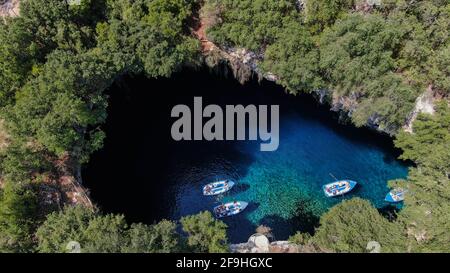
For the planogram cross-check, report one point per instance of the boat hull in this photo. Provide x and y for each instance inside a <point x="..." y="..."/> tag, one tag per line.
<point x="338" y="188"/>
<point x="218" y="187"/>
<point x="393" y="197"/>
<point x="230" y="209"/>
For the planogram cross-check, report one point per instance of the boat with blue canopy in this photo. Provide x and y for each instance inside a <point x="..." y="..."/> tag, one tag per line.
<point x="395" y="195"/>
<point x="338" y="188"/>
<point x="218" y="187"/>
<point x="229" y="209"/>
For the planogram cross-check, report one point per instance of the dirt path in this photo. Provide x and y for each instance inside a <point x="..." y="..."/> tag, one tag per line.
<point x="200" y="33"/>
<point x="70" y="186"/>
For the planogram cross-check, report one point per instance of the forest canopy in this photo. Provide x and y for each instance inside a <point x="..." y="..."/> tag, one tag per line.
<point x="373" y="61"/>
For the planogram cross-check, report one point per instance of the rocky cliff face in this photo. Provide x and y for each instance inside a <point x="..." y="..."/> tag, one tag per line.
<point x="424" y="104"/>
<point x="259" y="243"/>
<point x="9" y="8"/>
<point x="274" y="247"/>
<point x="244" y="64"/>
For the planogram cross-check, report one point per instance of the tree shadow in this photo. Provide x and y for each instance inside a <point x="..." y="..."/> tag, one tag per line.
<point x="390" y="211"/>
<point x="239" y="188"/>
<point x="305" y="220"/>
<point x="239" y="227"/>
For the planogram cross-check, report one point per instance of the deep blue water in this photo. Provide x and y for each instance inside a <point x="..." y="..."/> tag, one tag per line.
<point x="142" y="173"/>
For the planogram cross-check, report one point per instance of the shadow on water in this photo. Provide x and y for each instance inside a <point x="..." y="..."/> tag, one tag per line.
<point x="310" y="109"/>
<point x="239" y="227"/>
<point x="239" y="188"/>
<point x="305" y="219"/>
<point x="133" y="173"/>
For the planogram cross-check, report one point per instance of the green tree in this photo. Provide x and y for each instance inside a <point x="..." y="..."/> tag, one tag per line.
<point x="205" y="234"/>
<point x="19" y="161"/>
<point x="58" y="106"/>
<point x="294" y="58"/>
<point x="426" y="215"/>
<point x="15" y="60"/>
<point x="322" y="13"/>
<point x="105" y="233"/>
<point x="43" y="26"/>
<point x="62" y="227"/>
<point x="352" y="224"/>
<point x="148" y="36"/>
<point x="251" y="24"/>
<point x="158" y="238"/>
<point x="93" y="231"/>
<point x="428" y="144"/>
<point x="358" y="61"/>
<point x="18" y="205"/>
<point x="439" y="70"/>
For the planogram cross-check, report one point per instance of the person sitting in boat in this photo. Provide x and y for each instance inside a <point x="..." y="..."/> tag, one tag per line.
<point x="221" y="210"/>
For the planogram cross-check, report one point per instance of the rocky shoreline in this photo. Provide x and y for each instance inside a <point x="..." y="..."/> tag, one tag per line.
<point x="259" y="243"/>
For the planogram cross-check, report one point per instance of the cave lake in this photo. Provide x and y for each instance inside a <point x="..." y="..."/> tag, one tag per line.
<point x="144" y="174"/>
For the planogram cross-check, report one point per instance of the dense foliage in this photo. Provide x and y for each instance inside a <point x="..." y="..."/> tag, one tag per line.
<point x="351" y="225"/>
<point x="56" y="60"/>
<point x="148" y="36"/>
<point x="104" y="233"/>
<point x="372" y="61"/>
<point x="65" y="68"/>
<point x="206" y="234"/>
<point x="110" y="233"/>
<point x="426" y="216"/>
<point x="17" y="207"/>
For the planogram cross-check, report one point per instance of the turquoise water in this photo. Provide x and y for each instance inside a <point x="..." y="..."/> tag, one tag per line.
<point x="145" y="175"/>
<point x="284" y="187"/>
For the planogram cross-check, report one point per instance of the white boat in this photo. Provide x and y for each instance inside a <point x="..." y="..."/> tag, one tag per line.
<point x="229" y="209"/>
<point x="396" y="195"/>
<point x="338" y="188"/>
<point x="218" y="187"/>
